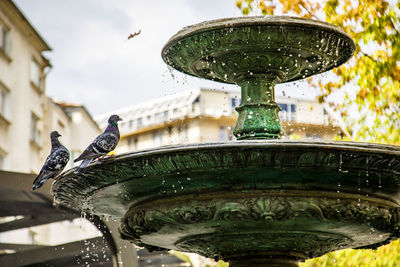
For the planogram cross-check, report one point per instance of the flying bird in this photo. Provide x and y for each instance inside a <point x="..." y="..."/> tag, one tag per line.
<point x="134" y="34"/>
<point x="55" y="162"/>
<point x="103" y="144"/>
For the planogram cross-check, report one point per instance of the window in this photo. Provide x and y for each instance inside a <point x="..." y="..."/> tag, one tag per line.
<point x="1" y="161"/>
<point x="157" y="138"/>
<point x="223" y="133"/>
<point x="186" y="133"/>
<point x="235" y="102"/>
<point x="35" y="75"/>
<point x="158" y="117"/>
<point x="130" y="126"/>
<point x="132" y="143"/>
<point x="292" y="112"/>
<point x="288" y="112"/>
<point x="5" y="39"/>
<point x="35" y="132"/>
<point x="139" y="123"/>
<point x="4" y="101"/>
<point x="284" y="107"/>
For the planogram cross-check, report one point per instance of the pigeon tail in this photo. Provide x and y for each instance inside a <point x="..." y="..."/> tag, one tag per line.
<point x="41" y="179"/>
<point x="83" y="165"/>
<point x="39" y="184"/>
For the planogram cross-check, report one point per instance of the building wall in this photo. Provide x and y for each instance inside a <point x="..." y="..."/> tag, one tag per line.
<point x="23" y="99"/>
<point x="209" y="116"/>
<point x="83" y="130"/>
<point x="24" y="148"/>
<point x="75" y="125"/>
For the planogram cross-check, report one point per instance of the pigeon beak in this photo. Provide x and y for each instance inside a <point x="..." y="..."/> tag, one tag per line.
<point x="119" y="119"/>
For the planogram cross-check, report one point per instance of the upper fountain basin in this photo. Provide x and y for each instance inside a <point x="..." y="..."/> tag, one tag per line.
<point x="235" y="49"/>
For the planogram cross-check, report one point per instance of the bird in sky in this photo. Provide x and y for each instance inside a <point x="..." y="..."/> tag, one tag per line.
<point x="102" y="145"/>
<point x="134" y="34"/>
<point x="55" y="162"/>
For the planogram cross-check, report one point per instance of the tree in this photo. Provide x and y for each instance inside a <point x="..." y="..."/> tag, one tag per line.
<point x="370" y="82"/>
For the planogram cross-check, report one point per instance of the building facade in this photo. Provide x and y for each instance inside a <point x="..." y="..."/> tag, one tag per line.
<point x="27" y="114"/>
<point x="23" y="71"/>
<point x="206" y="115"/>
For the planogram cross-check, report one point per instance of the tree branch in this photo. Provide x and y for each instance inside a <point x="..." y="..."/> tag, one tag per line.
<point x="309" y="12"/>
<point x="394" y="26"/>
<point x="368" y="56"/>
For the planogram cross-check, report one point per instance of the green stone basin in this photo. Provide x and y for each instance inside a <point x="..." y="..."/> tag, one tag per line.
<point x="235" y="49"/>
<point x="289" y="200"/>
<point x="249" y="202"/>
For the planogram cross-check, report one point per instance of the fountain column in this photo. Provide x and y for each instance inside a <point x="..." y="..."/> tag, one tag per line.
<point x="258" y="112"/>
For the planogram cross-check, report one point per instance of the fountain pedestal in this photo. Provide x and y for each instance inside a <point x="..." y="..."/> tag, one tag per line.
<point x="258" y="202"/>
<point x="258" y="112"/>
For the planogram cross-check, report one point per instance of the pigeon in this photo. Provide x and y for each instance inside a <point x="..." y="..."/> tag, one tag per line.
<point x="103" y="144"/>
<point x="55" y="162"/>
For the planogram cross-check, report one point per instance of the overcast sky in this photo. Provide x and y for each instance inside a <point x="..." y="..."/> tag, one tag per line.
<point x="93" y="62"/>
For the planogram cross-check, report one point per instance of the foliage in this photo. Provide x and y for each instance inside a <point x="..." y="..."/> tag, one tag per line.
<point x="385" y="256"/>
<point x="196" y="260"/>
<point x="369" y="84"/>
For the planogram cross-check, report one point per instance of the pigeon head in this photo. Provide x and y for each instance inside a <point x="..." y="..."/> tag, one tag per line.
<point x="54" y="134"/>
<point x="114" y="119"/>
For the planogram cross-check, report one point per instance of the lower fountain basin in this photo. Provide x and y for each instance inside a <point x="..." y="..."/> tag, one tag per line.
<point x="273" y="199"/>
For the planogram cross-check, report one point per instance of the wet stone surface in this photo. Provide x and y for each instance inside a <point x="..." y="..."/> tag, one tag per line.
<point x="343" y="194"/>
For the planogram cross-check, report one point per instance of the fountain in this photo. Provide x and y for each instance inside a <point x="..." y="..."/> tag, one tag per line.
<point x="250" y="202"/>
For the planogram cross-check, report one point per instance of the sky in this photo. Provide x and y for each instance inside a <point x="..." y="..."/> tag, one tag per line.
<point x="95" y="64"/>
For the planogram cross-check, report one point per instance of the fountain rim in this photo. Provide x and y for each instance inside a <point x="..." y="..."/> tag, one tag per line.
<point x="251" y="20"/>
<point x="252" y="144"/>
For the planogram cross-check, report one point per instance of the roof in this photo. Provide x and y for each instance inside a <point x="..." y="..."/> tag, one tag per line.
<point x="72" y="106"/>
<point x="165" y="103"/>
<point x="10" y="8"/>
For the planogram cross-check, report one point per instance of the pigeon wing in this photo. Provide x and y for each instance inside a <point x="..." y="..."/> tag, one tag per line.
<point x="88" y="153"/>
<point x="57" y="160"/>
<point x="53" y="166"/>
<point x="105" y="143"/>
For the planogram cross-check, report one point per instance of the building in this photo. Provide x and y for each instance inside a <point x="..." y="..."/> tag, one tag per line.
<point x="27" y="116"/>
<point x="74" y="122"/>
<point x="207" y="115"/>
<point x="23" y="70"/>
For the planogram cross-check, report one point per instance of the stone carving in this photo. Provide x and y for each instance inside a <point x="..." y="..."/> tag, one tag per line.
<point x="348" y="164"/>
<point x="272" y="213"/>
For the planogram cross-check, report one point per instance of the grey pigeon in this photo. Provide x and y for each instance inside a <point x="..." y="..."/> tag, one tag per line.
<point x="103" y="144"/>
<point x="55" y="162"/>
